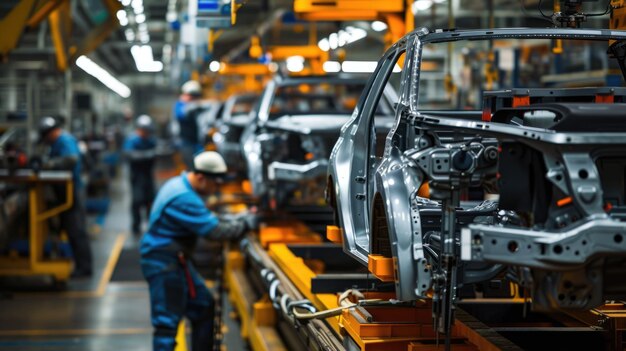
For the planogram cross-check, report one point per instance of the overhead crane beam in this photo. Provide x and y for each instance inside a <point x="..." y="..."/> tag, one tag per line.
<point x="26" y="14"/>
<point x="99" y="34"/>
<point x="312" y="53"/>
<point x="397" y="14"/>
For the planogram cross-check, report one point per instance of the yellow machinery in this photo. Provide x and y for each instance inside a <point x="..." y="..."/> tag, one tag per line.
<point x="312" y="53"/>
<point x="250" y="76"/>
<point x="368" y="328"/>
<point x="396" y="13"/>
<point x="27" y="14"/>
<point x="38" y="215"/>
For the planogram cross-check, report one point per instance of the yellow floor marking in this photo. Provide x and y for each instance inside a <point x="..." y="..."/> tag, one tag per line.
<point x="104" y="279"/>
<point x="111" y="263"/>
<point x="68" y="332"/>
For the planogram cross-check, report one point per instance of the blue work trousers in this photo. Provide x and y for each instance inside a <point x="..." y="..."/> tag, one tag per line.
<point x="170" y="300"/>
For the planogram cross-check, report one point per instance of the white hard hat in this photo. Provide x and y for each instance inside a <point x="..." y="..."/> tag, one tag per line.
<point x="192" y="87"/>
<point x="209" y="162"/>
<point x="46" y="124"/>
<point x="144" y="122"/>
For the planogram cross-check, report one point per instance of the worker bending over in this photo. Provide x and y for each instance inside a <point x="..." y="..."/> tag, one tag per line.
<point x="65" y="155"/>
<point x="178" y="217"/>
<point x="139" y="150"/>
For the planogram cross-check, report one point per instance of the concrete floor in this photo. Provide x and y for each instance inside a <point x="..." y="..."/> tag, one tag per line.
<point x="94" y="313"/>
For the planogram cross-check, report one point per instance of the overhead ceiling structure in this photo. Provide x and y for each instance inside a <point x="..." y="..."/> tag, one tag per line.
<point x="148" y="42"/>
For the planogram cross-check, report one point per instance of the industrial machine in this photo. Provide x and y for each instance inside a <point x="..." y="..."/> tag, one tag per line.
<point x="24" y="196"/>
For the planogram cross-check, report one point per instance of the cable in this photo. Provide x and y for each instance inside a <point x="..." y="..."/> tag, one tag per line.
<point x="541" y="11"/>
<point x="608" y="10"/>
<point x="523" y="5"/>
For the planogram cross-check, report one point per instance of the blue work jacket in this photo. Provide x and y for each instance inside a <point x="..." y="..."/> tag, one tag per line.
<point x="143" y="165"/>
<point x="66" y="145"/>
<point x="178" y="216"/>
<point x="137" y="143"/>
<point x="188" y="121"/>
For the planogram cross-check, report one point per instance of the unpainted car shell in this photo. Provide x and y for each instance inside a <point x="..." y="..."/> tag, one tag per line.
<point x="226" y="138"/>
<point x="357" y="180"/>
<point x="262" y="129"/>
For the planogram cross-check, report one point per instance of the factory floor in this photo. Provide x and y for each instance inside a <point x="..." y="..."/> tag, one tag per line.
<point x="109" y="311"/>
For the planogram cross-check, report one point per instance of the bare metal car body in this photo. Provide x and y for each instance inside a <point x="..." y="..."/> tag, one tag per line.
<point x="236" y="116"/>
<point x="287" y="148"/>
<point x="376" y="198"/>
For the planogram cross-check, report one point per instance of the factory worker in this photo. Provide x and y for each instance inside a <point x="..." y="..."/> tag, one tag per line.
<point x="65" y="155"/>
<point x="178" y="217"/>
<point x="139" y="151"/>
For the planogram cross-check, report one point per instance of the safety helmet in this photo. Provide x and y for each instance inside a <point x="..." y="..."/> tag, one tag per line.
<point x="144" y="122"/>
<point x="209" y="162"/>
<point x="46" y="124"/>
<point x="192" y="87"/>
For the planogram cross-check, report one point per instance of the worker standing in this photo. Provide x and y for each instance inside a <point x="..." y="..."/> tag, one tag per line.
<point x="186" y="112"/>
<point x="178" y="217"/>
<point x="65" y="155"/>
<point x="139" y="150"/>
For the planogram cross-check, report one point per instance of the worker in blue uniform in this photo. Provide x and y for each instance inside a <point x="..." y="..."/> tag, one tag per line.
<point x="186" y="112"/>
<point x="178" y="217"/>
<point x="65" y="155"/>
<point x="139" y="151"/>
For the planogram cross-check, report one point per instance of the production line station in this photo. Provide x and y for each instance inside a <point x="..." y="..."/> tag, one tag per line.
<point x="337" y="175"/>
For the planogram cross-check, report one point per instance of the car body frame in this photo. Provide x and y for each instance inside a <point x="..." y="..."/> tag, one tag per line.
<point x="376" y="198"/>
<point x="268" y="139"/>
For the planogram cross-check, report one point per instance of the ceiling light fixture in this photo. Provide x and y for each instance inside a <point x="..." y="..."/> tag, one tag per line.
<point x="421" y="5"/>
<point x="331" y="67"/>
<point x="122" y="17"/>
<point x="142" y="54"/>
<point x="214" y="66"/>
<point x="343" y="37"/>
<point x="295" y="64"/>
<point x="103" y="76"/>
<point x="359" y="66"/>
<point x="378" y="26"/>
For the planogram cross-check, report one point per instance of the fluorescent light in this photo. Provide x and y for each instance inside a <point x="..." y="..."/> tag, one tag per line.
<point x="295" y="64"/>
<point x="343" y="37"/>
<point x="354" y="34"/>
<point x="103" y="76"/>
<point x="379" y="26"/>
<point x="121" y="16"/>
<point x="422" y="5"/>
<point x="144" y="60"/>
<point x="171" y="16"/>
<point x="324" y="44"/>
<point x="130" y="35"/>
<point x="140" y="18"/>
<point x="125" y="2"/>
<point x="137" y="6"/>
<point x="214" y="66"/>
<point x="331" y="67"/>
<point x="359" y="66"/>
<point x="333" y="41"/>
